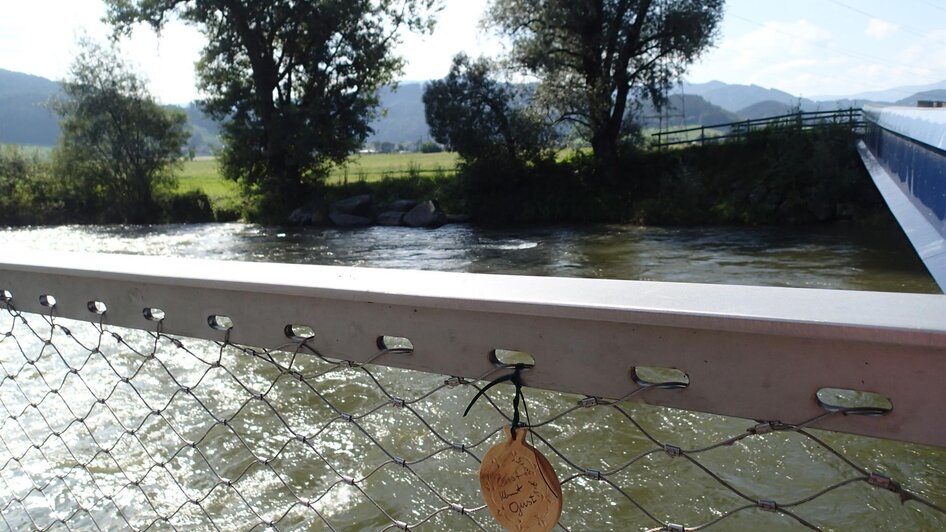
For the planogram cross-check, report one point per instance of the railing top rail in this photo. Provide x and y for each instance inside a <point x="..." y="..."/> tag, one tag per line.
<point x="804" y="115"/>
<point x="926" y="125"/>
<point x="753" y="352"/>
<point x="839" y="314"/>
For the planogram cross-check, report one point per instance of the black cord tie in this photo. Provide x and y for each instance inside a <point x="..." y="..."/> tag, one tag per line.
<point x="516" y="379"/>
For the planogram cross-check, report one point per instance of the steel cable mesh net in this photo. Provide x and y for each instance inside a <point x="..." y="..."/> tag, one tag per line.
<point x="106" y="428"/>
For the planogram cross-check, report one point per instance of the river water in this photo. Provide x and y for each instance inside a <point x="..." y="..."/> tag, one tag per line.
<point x="785" y="468"/>
<point x="824" y="256"/>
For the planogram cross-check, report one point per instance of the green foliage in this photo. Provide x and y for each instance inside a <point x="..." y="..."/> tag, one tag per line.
<point x="192" y="206"/>
<point x="782" y="175"/>
<point x="592" y="59"/>
<point x="503" y="191"/>
<point x="421" y="174"/>
<point x="294" y="83"/>
<point x="203" y="175"/>
<point x="482" y="118"/>
<point x="779" y="175"/>
<point x="28" y="192"/>
<point x="439" y="187"/>
<point x="386" y="147"/>
<point x="430" y="147"/>
<point x="118" y="146"/>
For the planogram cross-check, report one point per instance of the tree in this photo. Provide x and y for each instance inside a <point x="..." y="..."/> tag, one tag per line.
<point x="478" y="116"/>
<point x="117" y="144"/>
<point x="294" y="83"/>
<point x="593" y="57"/>
<point x="29" y="194"/>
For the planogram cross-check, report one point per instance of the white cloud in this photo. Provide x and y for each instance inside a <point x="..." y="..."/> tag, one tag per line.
<point x="807" y="52"/>
<point x="784" y="40"/>
<point x="804" y="58"/>
<point x="928" y="54"/>
<point x="39" y="37"/>
<point x="880" y="29"/>
<point x="168" y="62"/>
<point x="787" y="55"/>
<point x="457" y="29"/>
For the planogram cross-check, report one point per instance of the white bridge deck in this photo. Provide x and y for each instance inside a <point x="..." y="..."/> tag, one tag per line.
<point x="910" y="174"/>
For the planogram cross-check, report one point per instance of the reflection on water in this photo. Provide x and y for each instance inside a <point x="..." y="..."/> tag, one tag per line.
<point x="836" y="256"/>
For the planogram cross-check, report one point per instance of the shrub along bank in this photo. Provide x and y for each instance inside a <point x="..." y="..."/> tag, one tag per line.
<point x="774" y="176"/>
<point x="34" y="192"/>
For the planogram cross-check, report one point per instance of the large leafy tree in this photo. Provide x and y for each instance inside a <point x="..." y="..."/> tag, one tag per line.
<point x="479" y="116"/>
<point x="118" y="146"/>
<point x="595" y="57"/>
<point x="295" y="83"/>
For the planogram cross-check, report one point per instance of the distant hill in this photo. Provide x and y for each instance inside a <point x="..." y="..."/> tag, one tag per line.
<point x="895" y="94"/>
<point x="766" y="109"/>
<point x="24" y="119"/>
<point x="735" y="97"/>
<point x="769" y="108"/>
<point x="205" y="133"/>
<point x="700" y="88"/>
<point x="685" y="110"/>
<point x="935" y="94"/>
<point x="402" y="115"/>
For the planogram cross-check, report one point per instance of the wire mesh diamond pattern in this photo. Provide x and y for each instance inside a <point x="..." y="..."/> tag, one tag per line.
<point x="107" y="428"/>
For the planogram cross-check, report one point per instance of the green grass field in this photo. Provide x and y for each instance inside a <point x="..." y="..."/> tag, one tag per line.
<point x="204" y="174"/>
<point x="377" y="166"/>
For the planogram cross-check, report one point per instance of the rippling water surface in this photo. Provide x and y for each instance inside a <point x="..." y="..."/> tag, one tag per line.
<point x="837" y="256"/>
<point x="784" y="468"/>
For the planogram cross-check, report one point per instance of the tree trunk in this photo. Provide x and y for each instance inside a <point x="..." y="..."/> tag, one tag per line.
<point x="604" y="146"/>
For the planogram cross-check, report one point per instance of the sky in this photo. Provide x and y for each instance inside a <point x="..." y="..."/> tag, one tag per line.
<point x="809" y="48"/>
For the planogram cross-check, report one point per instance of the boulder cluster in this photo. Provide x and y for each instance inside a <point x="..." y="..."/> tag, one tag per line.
<point x="360" y="211"/>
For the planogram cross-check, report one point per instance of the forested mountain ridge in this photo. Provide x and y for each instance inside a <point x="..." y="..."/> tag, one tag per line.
<point x="25" y="118"/>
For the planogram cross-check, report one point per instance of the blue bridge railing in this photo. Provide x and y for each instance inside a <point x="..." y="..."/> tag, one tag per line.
<point x="904" y="149"/>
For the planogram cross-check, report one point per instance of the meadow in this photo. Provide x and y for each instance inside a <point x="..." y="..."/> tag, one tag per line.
<point x="203" y="173"/>
<point x="376" y="166"/>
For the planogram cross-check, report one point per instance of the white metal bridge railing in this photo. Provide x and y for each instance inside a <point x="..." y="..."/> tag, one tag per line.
<point x="134" y="393"/>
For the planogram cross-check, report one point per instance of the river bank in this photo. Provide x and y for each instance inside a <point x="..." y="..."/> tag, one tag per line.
<point x="772" y="177"/>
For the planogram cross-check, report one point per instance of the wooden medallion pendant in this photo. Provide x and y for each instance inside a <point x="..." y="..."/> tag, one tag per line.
<point x="519" y="485"/>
